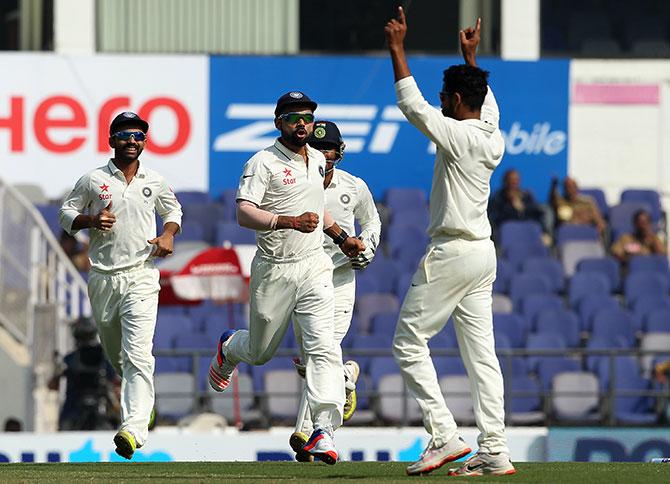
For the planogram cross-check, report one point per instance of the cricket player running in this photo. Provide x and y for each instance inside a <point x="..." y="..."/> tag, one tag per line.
<point x="347" y="199"/>
<point x="291" y="275"/>
<point x="456" y="274"/>
<point x="117" y="203"/>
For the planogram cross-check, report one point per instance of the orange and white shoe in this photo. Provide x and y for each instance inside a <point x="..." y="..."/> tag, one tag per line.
<point x="484" y="464"/>
<point x="220" y="371"/>
<point x="322" y="446"/>
<point x="435" y="457"/>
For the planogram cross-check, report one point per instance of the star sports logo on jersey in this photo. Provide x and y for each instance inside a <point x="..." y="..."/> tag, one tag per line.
<point x="372" y="129"/>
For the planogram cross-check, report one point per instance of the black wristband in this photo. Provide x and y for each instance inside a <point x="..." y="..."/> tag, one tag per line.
<point x="340" y="238"/>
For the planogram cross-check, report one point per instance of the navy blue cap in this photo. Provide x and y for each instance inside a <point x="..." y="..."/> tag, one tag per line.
<point x="126" y="119"/>
<point x="325" y="133"/>
<point x="294" y="97"/>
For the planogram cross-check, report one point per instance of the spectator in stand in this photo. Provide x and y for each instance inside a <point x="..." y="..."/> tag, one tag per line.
<point x="13" y="424"/>
<point x="511" y="202"/>
<point x="573" y="207"/>
<point x="643" y="240"/>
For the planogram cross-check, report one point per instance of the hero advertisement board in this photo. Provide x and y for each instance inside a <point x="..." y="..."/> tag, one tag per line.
<point x="381" y="146"/>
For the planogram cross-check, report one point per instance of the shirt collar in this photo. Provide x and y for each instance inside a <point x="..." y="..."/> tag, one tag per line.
<point x="113" y="169"/>
<point x="287" y="154"/>
<point x="336" y="178"/>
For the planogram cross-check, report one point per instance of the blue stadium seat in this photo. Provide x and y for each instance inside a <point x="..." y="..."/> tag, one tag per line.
<point x="573" y="252"/>
<point x="191" y="231"/>
<point x="403" y="198"/>
<point x="233" y="233"/>
<point x="548" y="267"/>
<point x="525" y="284"/>
<point x="642" y="283"/>
<point x="171" y="364"/>
<point x="650" y="197"/>
<point x="398" y="239"/>
<point x="651" y="263"/>
<point x="50" y="214"/>
<point x="444" y="340"/>
<point x="608" y="266"/>
<point x="612" y="323"/>
<point x="367" y="283"/>
<point x="194" y="341"/>
<point x="599" y="197"/>
<point x="188" y="197"/>
<point x="658" y="320"/>
<point x="206" y="215"/>
<point x="563" y="322"/>
<point x="386" y="271"/>
<point x="513" y="326"/>
<point x="549" y="366"/>
<point x="589" y="306"/>
<point x="381" y="366"/>
<point x="513" y="366"/>
<point x="525" y="395"/>
<point x="523" y="233"/>
<point x="369" y="305"/>
<point x="408" y="257"/>
<point x="410" y="217"/>
<point x="643" y="305"/>
<point x="576" y="232"/>
<point x="449" y="365"/>
<point x="634" y="409"/>
<point x="229" y="200"/>
<point x="402" y="284"/>
<point x="504" y="272"/>
<point x="621" y="217"/>
<point x="589" y="284"/>
<point x="533" y="304"/>
<point x="603" y="342"/>
<point x="517" y="254"/>
<point x="543" y="341"/>
<point x="384" y="323"/>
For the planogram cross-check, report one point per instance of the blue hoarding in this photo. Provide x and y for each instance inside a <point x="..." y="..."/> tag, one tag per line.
<point x="382" y="147"/>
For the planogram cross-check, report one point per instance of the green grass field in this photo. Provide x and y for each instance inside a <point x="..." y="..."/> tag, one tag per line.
<point x="551" y="472"/>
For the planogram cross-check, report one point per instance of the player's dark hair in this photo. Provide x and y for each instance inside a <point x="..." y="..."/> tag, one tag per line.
<point x="639" y="213"/>
<point x="469" y="81"/>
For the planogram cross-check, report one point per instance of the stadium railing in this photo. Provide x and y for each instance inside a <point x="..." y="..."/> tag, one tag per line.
<point x="40" y="292"/>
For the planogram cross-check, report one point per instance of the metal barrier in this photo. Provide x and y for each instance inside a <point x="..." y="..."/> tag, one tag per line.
<point x="606" y="398"/>
<point x="40" y="291"/>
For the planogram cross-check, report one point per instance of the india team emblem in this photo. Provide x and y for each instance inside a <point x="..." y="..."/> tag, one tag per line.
<point x="146" y="191"/>
<point x="295" y="94"/>
<point x="319" y="132"/>
<point x="322" y="172"/>
<point x="345" y="199"/>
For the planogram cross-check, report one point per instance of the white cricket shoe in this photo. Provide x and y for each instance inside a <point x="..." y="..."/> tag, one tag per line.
<point x="483" y="463"/>
<point x="435" y="457"/>
<point x="322" y="446"/>
<point x="220" y="370"/>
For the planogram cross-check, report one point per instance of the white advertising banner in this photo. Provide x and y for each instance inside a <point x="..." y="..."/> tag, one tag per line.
<point x="55" y="113"/>
<point x="171" y="444"/>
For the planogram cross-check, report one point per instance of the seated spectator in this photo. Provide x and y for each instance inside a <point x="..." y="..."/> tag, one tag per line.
<point x="511" y="202"/>
<point x="13" y="425"/>
<point x="76" y="249"/>
<point x="643" y="240"/>
<point x="575" y="208"/>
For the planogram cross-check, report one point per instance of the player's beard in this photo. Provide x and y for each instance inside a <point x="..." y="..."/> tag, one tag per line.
<point x="293" y="138"/>
<point x="123" y="156"/>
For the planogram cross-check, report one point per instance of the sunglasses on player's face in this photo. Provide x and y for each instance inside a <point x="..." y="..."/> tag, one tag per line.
<point x="293" y="118"/>
<point x="125" y="135"/>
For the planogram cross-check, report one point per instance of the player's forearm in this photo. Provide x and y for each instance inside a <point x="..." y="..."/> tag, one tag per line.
<point x="337" y="233"/>
<point x="83" y="221"/>
<point x="171" y="228"/>
<point x="399" y="61"/>
<point x="252" y="217"/>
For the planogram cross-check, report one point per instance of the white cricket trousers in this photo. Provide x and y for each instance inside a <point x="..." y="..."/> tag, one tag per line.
<point x="124" y="306"/>
<point x="301" y="290"/>
<point x="455" y="276"/>
<point x="344" y="283"/>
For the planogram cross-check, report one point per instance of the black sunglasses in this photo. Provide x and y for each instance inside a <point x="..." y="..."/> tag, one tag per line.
<point x="125" y="135"/>
<point x="293" y="118"/>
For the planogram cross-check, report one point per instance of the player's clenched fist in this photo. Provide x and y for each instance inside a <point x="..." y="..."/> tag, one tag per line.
<point x="104" y="219"/>
<point x="307" y="222"/>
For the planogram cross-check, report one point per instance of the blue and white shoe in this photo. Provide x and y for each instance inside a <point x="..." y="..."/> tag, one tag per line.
<point x="322" y="446"/>
<point x="220" y="371"/>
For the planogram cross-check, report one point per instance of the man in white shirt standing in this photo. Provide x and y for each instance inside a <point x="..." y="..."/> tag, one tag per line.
<point x="281" y="196"/>
<point x="456" y="274"/>
<point x="117" y="203"/>
<point x="348" y="198"/>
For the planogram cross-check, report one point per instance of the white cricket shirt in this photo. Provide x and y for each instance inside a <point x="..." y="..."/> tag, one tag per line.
<point x="348" y="198"/>
<point x="134" y="205"/>
<point x="278" y="180"/>
<point x="467" y="153"/>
